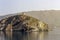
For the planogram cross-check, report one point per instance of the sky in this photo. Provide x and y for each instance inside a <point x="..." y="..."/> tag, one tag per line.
<point x="16" y="6"/>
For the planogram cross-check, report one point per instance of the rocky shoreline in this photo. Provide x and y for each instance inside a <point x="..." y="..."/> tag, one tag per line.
<point x="22" y="22"/>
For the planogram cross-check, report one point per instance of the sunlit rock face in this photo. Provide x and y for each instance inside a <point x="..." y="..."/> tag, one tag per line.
<point x="22" y="22"/>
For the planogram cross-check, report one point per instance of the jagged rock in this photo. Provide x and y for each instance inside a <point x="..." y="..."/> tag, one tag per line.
<point x="22" y="23"/>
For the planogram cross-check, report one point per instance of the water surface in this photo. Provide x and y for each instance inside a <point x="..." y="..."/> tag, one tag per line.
<point x="51" y="35"/>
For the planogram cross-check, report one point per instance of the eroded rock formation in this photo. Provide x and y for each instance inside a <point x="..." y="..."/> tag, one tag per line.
<point x="22" y="23"/>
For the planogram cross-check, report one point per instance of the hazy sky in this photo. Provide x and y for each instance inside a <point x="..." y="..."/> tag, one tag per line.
<point x="14" y="6"/>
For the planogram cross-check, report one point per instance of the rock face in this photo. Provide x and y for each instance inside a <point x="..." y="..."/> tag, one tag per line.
<point x="22" y="23"/>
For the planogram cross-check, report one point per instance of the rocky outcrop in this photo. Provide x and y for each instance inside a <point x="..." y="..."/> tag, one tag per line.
<point x="22" y="23"/>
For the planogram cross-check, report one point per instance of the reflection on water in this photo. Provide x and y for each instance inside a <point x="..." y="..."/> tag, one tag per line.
<point x="5" y="35"/>
<point x="29" y="35"/>
<point x="22" y="35"/>
<point x="52" y="35"/>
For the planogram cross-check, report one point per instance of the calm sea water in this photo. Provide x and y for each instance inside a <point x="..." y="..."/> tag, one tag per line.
<point x="51" y="35"/>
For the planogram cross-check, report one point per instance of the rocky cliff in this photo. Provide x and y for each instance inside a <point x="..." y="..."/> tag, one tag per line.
<point x="22" y="22"/>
